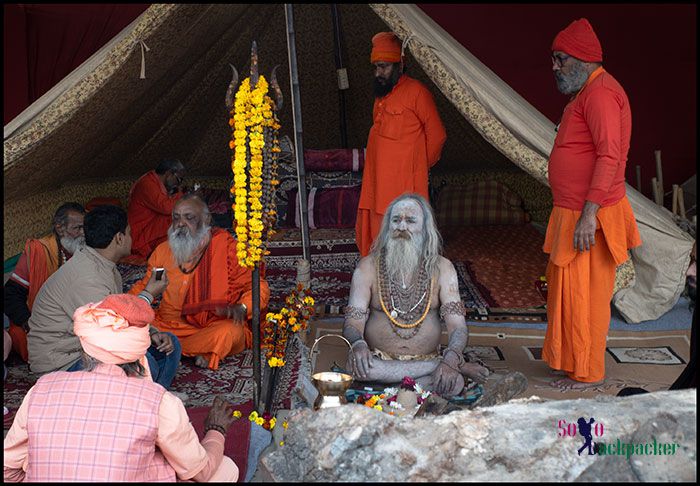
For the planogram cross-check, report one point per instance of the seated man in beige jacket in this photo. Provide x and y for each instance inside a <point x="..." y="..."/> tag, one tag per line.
<point x="90" y="276"/>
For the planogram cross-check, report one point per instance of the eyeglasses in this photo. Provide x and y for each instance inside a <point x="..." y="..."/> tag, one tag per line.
<point x="560" y="59"/>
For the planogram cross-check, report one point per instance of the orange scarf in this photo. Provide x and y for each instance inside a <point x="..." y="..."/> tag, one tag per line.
<point x="212" y="283"/>
<point x="42" y="257"/>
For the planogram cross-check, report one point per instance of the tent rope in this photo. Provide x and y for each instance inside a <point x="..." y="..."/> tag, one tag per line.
<point x="144" y="49"/>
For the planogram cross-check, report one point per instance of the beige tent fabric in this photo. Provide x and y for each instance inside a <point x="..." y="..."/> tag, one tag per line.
<point x="104" y="123"/>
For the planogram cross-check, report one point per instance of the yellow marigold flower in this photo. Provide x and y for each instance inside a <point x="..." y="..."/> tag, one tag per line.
<point x="253" y="416"/>
<point x="259" y="420"/>
<point x="378" y="407"/>
<point x="285" y="424"/>
<point x="237" y="413"/>
<point x="281" y="443"/>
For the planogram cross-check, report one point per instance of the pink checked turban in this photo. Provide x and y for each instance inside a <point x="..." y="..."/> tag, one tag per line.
<point x="115" y="331"/>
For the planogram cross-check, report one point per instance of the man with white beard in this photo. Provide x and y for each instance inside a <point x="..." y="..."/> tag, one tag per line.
<point x="208" y="302"/>
<point x="39" y="260"/>
<point x="399" y="295"/>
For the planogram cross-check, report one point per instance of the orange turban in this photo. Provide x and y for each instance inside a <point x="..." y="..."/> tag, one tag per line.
<point x="115" y="331"/>
<point x="579" y="40"/>
<point x="385" y="47"/>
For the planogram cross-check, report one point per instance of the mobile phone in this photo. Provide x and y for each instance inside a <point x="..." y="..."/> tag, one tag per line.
<point x="159" y="273"/>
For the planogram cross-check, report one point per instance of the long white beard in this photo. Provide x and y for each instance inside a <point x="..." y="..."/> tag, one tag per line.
<point x="403" y="258"/>
<point x="72" y="244"/>
<point x="183" y="244"/>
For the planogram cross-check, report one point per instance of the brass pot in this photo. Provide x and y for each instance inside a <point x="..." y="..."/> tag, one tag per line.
<point x="331" y="385"/>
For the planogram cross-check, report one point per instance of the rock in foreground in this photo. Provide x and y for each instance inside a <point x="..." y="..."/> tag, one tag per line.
<point x="517" y="441"/>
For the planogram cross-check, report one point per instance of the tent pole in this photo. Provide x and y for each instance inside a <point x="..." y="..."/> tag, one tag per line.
<point x="342" y="74"/>
<point x="298" y="144"/>
<point x="257" y="399"/>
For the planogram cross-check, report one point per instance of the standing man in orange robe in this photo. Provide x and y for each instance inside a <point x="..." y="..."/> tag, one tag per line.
<point x="208" y="301"/>
<point x="592" y="225"/>
<point x="404" y="142"/>
<point x="151" y="202"/>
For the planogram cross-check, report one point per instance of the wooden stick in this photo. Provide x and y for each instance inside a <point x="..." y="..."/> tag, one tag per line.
<point x="681" y="203"/>
<point x="655" y="189"/>
<point x="674" y="198"/>
<point x="639" y="178"/>
<point x="659" y="174"/>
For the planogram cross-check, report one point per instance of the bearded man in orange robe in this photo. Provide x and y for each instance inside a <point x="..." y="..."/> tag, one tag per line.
<point x="592" y="225"/>
<point x="405" y="140"/>
<point x="39" y="260"/>
<point x="151" y="202"/>
<point x="208" y="301"/>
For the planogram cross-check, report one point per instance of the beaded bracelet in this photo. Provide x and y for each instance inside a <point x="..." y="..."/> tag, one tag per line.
<point x="218" y="428"/>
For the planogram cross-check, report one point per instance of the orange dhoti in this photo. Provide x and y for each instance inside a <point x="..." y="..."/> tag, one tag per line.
<point x="580" y="287"/>
<point x="367" y="228"/>
<point x="215" y="342"/>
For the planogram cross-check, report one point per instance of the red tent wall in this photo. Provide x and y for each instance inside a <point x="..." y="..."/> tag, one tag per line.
<point x="650" y="49"/>
<point x="45" y="42"/>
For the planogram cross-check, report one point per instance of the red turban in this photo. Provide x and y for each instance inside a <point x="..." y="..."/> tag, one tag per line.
<point x="385" y="47"/>
<point x="579" y="40"/>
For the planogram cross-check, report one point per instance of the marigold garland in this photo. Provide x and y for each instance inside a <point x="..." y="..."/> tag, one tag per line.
<point x="289" y="320"/>
<point x="254" y="126"/>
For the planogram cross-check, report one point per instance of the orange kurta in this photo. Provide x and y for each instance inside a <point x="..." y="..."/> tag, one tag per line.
<point x="404" y="142"/>
<point x="150" y="213"/>
<point x="40" y="261"/>
<point x="580" y="287"/>
<point x="188" y="303"/>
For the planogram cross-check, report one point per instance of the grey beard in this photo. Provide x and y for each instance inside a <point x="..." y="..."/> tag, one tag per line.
<point x="574" y="81"/>
<point x="72" y="245"/>
<point x="403" y="257"/>
<point x="183" y="244"/>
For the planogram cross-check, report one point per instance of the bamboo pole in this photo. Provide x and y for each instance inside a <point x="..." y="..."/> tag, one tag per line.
<point x="674" y="204"/>
<point x="639" y="178"/>
<point x="659" y="175"/>
<point x="681" y="203"/>
<point x="298" y="143"/>
<point x="655" y="190"/>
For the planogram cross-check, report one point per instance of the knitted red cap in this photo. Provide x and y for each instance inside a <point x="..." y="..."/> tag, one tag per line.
<point x="134" y="309"/>
<point x="579" y="40"/>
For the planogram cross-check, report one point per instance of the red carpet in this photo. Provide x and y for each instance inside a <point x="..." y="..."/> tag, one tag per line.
<point x="506" y="260"/>
<point x="238" y="437"/>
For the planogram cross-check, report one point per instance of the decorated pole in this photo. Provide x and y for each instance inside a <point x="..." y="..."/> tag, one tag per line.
<point x="255" y="146"/>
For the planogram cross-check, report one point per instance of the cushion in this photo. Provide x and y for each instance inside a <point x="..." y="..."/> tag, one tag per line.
<point x="333" y="207"/>
<point x="334" y="160"/>
<point x="483" y="203"/>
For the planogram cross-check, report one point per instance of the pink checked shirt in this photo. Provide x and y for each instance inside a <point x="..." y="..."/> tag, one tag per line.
<point x="105" y="426"/>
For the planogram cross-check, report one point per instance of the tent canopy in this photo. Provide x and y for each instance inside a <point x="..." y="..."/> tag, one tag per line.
<point x="104" y="123"/>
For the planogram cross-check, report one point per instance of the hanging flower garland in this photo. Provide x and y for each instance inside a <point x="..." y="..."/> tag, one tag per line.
<point x="253" y="122"/>
<point x="289" y="320"/>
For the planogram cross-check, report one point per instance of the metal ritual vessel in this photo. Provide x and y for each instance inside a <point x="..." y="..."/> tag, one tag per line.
<point x="331" y="385"/>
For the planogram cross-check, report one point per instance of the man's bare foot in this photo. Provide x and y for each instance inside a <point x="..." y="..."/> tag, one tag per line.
<point x="567" y="383"/>
<point x="474" y="372"/>
<point x="201" y="361"/>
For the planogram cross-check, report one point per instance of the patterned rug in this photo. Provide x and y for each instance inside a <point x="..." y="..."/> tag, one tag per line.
<point x="497" y="267"/>
<point x="334" y="256"/>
